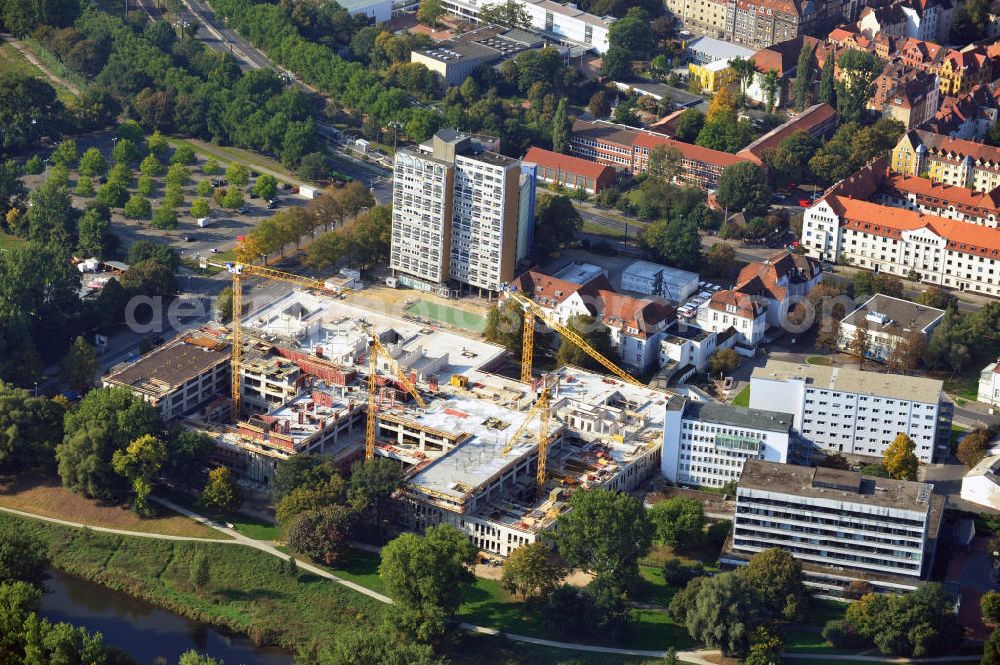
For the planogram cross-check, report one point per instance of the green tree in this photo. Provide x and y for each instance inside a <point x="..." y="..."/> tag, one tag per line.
<point x="23" y="557"/>
<point x="777" y="577"/>
<point x="237" y="174"/>
<point x="184" y="154"/>
<point x="679" y="522"/>
<point x="204" y="188"/>
<point x="200" y="208"/>
<point x="164" y="218"/>
<point x="744" y="70"/>
<point x="211" y="167"/>
<point x="991" y="650"/>
<point x="532" y="571"/>
<point x="85" y="188"/>
<point x="557" y="221"/>
<point x="429" y="12"/>
<point x="200" y="571"/>
<point x="151" y="166"/>
<point x="765" y="648"/>
<point x="426" y="578"/>
<point x="915" y="625"/>
<point x="266" y="186"/>
<point x="177" y="175"/>
<point x="66" y="154"/>
<point x="125" y="152"/>
<point x="29" y="110"/>
<point x="605" y="533"/>
<point x="598" y="105"/>
<point x="675" y="242"/>
<point x="140" y="463"/>
<point x="827" y="83"/>
<point x="507" y="14"/>
<point x="632" y="33"/>
<point x="34" y="165"/>
<point x="372" y="484"/>
<point x="173" y="196"/>
<point x="221" y="493"/>
<point x="989" y="605"/>
<point x="148" y="250"/>
<point x="138" y="207"/>
<point x="689" y="124"/>
<point x="30" y="428"/>
<point x="233" y="199"/>
<point x="899" y="458"/>
<point x="378" y="646"/>
<point x="560" y="128"/>
<point x="105" y="420"/>
<point x="724" y="614"/>
<point x="505" y="326"/>
<point x="743" y="186"/>
<point x="771" y="86"/>
<point x="594" y="333"/>
<point x="616" y="63"/>
<point x="321" y="534"/>
<point x="724" y="362"/>
<point x="802" y="87"/>
<point x="189" y="454"/>
<point x="79" y="367"/>
<point x="157" y="144"/>
<point x="859" y="68"/>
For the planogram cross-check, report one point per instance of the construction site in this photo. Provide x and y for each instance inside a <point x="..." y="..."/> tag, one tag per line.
<point x="496" y="457"/>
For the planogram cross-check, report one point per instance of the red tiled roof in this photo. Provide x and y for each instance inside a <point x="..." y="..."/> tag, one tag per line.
<point x="888" y="222"/>
<point x="688" y="150"/>
<point x="567" y="163"/>
<point x="549" y="291"/>
<point x="947" y="194"/>
<point x="960" y="148"/>
<point x="746" y="306"/>
<point x="644" y="315"/>
<point x="761" y="278"/>
<point x="783" y="56"/>
<point x="807" y="121"/>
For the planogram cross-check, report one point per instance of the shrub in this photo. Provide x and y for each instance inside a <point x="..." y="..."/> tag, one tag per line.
<point x="34" y="165"/>
<point x="842" y="634"/>
<point x="211" y="167"/>
<point x="184" y="155"/>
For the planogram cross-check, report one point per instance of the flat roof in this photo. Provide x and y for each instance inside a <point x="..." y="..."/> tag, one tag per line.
<point x="835" y="484"/>
<point x="313" y="416"/>
<point x="900" y="316"/>
<point x="844" y="379"/>
<point x="354" y="6"/>
<point x="474" y="461"/>
<point x="719" y="49"/>
<point x="167" y="367"/>
<point x="739" y="416"/>
<point x="648" y="269"/>
<point x="578" y="273"/>
<point x="320" y="324"/>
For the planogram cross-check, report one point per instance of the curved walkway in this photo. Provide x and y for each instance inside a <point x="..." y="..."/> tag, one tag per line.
<point x="120" y="532"/>
<point x="699" y="657"/>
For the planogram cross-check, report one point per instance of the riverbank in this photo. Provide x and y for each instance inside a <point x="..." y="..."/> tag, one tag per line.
<point x="252" y="593"/>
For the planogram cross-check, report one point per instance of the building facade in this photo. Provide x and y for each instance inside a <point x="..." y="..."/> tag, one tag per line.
<point x="889" y="323"/>
<point x="951" y="161"/>
<point x="563" y="23"/>
<point x="989" y="385"/>
<point x="571" y="172"/>
<point x="702" y="17"/>
<point x="760" y="23"/>
<point x="841" y="525"/>
<point x="460" y="213"/>
<point x="707" y="444"/>
<point x="960" y="71"/>
<point x="844" y="410"/>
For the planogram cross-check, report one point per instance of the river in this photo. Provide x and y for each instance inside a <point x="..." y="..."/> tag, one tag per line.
<point x="143" y="630"/>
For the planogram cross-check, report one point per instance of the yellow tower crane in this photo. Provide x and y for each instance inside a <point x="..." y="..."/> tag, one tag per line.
<point x="533" y="310"/>
<point x="238" y="272"/>
<point x="376" y="349"/>
<point x="541" y="409"/>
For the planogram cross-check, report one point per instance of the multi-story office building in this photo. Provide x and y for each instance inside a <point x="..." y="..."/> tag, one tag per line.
<point x="621" y="146"/>
<point x="461" y="213"/>
<point x="179" y="376"/>
<point x="888" y="323"/>
<point x="564" y="24"/>
<point x="841" y="525"/>
<point x="707" y="444"/>
<point x="944" y="159"/>
<point x="844" y="410"/>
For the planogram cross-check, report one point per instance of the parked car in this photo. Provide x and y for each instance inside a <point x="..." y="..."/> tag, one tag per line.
<point x="189" y="238"/>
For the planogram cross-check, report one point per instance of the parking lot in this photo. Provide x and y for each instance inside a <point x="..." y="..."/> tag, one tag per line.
<point x="222" y="228"/>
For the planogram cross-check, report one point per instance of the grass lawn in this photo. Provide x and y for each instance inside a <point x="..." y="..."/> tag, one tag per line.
<point x="223" y="153"/>
<point x="48" y="498"/>
<point x="249" y="592"/>
<point x="965" y="386"/>
<point x="595" y="229"/>
<point x="819" y="360"/>
<point x="8" y="241"/>
<point x="743" y="397"/>
<point x="254" y="527"/>
<point x="11" y="60"/>
<point x="220" y="258"/>
<point x="450" y="315"/>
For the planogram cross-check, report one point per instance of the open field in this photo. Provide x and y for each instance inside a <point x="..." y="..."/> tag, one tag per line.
<point x="459" y="318"/>
<point x="7" y="241"/>
<point x="50" y="499"/>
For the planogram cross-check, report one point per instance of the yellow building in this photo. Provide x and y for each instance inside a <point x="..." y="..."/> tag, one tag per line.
<point x="713" y="76"/>
<point x="962" y="70"/>
<point x="702" y="17"/>
<point x="946" y="160"/>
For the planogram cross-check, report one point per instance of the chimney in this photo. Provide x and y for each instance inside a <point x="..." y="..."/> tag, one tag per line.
<point x="319" y="351"/>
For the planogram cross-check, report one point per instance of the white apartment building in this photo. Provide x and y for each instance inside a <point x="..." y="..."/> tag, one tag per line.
<point x="841" y="525"/>
<point x="888" y="322"/>
<point x="688" y="346"/>
<point x="989" y="385"/>
<point x="462" y="213"/>
<point x="707" y="444"/>
<point x="858" y="413"/>
<point x="747" y="315"/>
<point x="563" y="23"/>
<point x="950" y="253"/>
